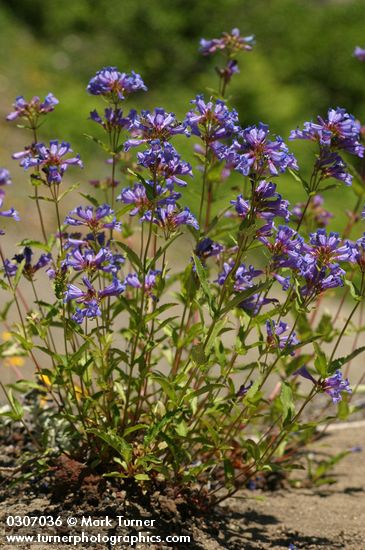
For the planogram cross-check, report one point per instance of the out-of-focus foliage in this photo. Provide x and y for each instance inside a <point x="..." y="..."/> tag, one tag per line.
<point x="302" y="63"/>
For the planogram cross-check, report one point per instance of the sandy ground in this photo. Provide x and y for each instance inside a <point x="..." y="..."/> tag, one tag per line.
<point x="330" y="517"/>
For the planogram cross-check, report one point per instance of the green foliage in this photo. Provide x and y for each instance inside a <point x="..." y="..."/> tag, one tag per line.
<point x="179" y="380"/>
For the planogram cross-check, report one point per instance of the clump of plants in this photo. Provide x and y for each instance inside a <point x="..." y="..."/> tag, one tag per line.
<point x="183" y="345"/>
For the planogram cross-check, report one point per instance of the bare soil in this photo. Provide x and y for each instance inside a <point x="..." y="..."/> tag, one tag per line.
<point x="330" y="516"/>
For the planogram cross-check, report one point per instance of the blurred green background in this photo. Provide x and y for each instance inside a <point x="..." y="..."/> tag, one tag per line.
<point x="301" y="65"/>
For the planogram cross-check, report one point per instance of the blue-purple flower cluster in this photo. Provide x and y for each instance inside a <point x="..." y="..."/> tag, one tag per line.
<point x="211" y="121"/>
<point x="5" y="179"/>
<point x="316" y="265"/>
<point x="333" y="385"/>
<point x="229" y="43"/>
<point x="114" y="85"/>
<point x="49" y="159"/>
<point x="31" y="110"/>
<point x="339" y="132"/>
<point x="29" y="268"/>
<point x="277" y="339"/>
<point x="253" y="154"/>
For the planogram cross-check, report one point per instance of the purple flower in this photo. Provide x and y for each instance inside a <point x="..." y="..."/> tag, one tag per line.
<point x="111" y="83"/>
<point x="231" y="42"/>
<point x="211" y="121"/>
<point x="319" y="278"/>
<point x="89" y="261"/>
<point x="114" y="289"/>
<point x="137" y="196"/>
<point x="276" y="337"/>
<point x="286" y="249"/>
<point x="335" y="385"/>
<point x="254" y="153"/>
<point x="315" y="211"/>
<point x="11" y="213"/>
<point x="5" y="178"/>
<point x="29" y="268"/>
<point x="339" y="131"/>
<point x="148" y="127"/>
<point x="242" y="206"/>
<point x="243" y="275"/>
<point x="283" y="281"/>
<point x="243" y="389"/>
<point x="331" y="165"/>
<point x="359" y="53"/>
<point x="149" y="282"/>
<point x="266" y="203"/>
<point x="90" y="298"/>
<point x="10" y="268"/>
<point x="207" y="248"/>
<point x="49" y="159"/>
<point x="229" y="70"/>
<point x="164" y="163"/>
<point x="169" y="218"/>
<point x="113" y="118"/>
<point x="90" y="310"/>
<point x="76" y="240"/>
<point x="96" y="219"/>
<point x="327" y="249"/>
<point x="33" y="108"/>
<point x="243" y="280"/>
<point x="359" y="253"/>
<point x="304" y="372"/>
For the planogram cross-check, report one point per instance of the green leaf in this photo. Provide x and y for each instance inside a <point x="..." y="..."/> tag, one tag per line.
<point x="135" y="428"/>
<point x="254" y="394"/>
<point x="228" y="471"/>
<point x="298" y="177"/>
<point x="354" y="291"/>
<point x="68" y="190"/>
<point x="159" y="426"/>
<point x="149" y="190"/>
<point x="218" y="328"/>
<point x="297" y="363"/>
<point x="115" y="441"/>
<point x="198" y="354"/>
<point x="91" y="199"/>
<point x="241" y="296"/>
<point x="320" y="362"/>
<point x="132" y="256"/>
<point x="18" y="274"/>
<point x="34" y="244"/>
<point x="338" y="363"/>
<point x="202" y="276"/>
<point x="142" y="477"/>
<point x="162" y="249"/>
<point x="99" y="142"/>
<point x="325" y="327"/>
<point x="287" y="403"/>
